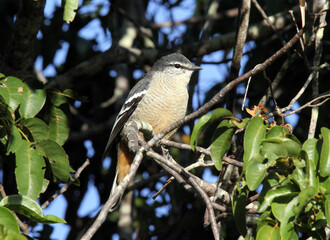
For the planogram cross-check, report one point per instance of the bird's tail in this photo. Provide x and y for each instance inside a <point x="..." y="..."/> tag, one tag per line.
<point x="124" y="162"/>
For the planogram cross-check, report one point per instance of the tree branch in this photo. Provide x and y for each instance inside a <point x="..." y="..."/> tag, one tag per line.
<point x="18" y="58"/>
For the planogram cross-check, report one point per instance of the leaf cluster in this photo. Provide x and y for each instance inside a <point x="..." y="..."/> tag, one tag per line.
<point x="33" y="128"/>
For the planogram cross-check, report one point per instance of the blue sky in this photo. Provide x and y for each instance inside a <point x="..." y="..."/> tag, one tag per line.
<point x="209" y="76"/>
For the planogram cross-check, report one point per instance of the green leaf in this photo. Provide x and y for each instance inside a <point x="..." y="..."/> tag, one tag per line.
<point x="8" y="220"/>
<point x="325" y="153"/>
<point x="57" y="158"/>
<point x="256" y="169"/>
<point x="221" y="142"/>
<point x="299" y="177"/>
<point x="58" y="126"/>
<point x="280" y="191"/>
<point x="15" y="236"/>
<point x="287" y="224"/>
<point x="287" y="145"/>
<point x="29" y="208"/>
<point x="239" y="197"/>
<point x="198" y="128"/>
<point x="205" y="121"/>
<point x="69" y="10"/>
<point x="4" y="91"/>
<point x="5" y="115"/>
<point x="34" y="98"/>
<point x="255" y="132"/>
<point x="268" y="232"/>
<point x="303" y="198"/>
<point x="279" y="204"/>
<point x="15" y="91"/>
<point x="327" y="208"/>
<point x="313" y="180"/>
<point x="15" y="140"/>
<point x="37" y="128"/>
<point x="277" y="132"/>
<point x="58" y="98"/>
<point x="30" y="171"/>
<point x="311" y="147"/>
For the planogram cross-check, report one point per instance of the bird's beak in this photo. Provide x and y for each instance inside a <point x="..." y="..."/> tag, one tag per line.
<point x="195" y="68"/>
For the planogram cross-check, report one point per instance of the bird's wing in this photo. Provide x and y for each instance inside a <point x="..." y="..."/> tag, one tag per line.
<point x="132" y="101"/>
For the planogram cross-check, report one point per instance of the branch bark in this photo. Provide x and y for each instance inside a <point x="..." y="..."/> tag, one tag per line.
<point x="19" y="56"/>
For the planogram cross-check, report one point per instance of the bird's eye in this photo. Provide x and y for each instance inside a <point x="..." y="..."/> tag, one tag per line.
<point x="177" y="65"/>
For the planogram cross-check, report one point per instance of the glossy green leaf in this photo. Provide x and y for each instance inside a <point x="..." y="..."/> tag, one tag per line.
<point x="324" y="184"/>
<point x="8" y="220"/>
<point x="325" y="153"/>
<point x="6" y="116"/>
<point x="255" y="173"/>
<point x="221" y="142"/>
<point x="15" y="90"/>
<point x="239" y="198"/>
<point x="287" y="230"/>
<point x="299" y="177"/>
<point x="70" y="7"/>
<point x="277" y="132"/>
<point x="198" y="128"/>
<point x="4" y="91"/>
<point x="327" y="208"/>
<point x="57" y="158"/>
<point x="243" y="123"/>
<point x="304" y="197"/>
<point x="313" y="180"/>
<point x="37" y="128"/>
<point x="279" y="204"/>
<point x="288" y="146"/>
<point x="58" y="126"/>
<point x="256" y="169"/>
<point x="29" y="208"/>
<point x="15" y="140"/>
<point x="268" y="232"/>
<point x="30" y="171"/>
<point x="14" y="236"/>
<point x="207" y="120"/>
<point x="255" y="132"/>
<point x="58" y="98"/>
<point x="311" y="147"/>
<point x="280" y="191"/>
<point x="34" y="98"/>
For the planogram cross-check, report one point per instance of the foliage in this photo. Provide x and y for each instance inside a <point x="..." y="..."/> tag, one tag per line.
<point x="33" y="129"/>
<point x="282" y="189"/>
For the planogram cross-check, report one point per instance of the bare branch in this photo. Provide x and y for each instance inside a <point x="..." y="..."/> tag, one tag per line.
<point x="67" y="185"/>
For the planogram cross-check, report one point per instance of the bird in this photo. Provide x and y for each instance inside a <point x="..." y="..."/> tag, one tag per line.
<point x="160" y="99"/>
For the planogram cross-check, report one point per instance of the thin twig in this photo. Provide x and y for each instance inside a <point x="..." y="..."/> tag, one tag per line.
<point x="309" y="104"/>
<point x="67" y="185"/>
<point x="265" y="17"/>
<point x="205" y="151"/>
<point x="179" y="169"/>
<point x="113" y="198"/>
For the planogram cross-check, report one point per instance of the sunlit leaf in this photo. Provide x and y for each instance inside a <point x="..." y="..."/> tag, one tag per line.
<point x="268" y="232"/>
<point x="70" y="7"/>
<point x="30" y="170"/>
<point x="8" y="220"/>
<point x="255" y="132"/>
<point x="29" y="208"/>
<point x="57" y="158"/>
<point x="221" y="142"/>
<point x="34" y="98"/>
<point x="325" y="153"/>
